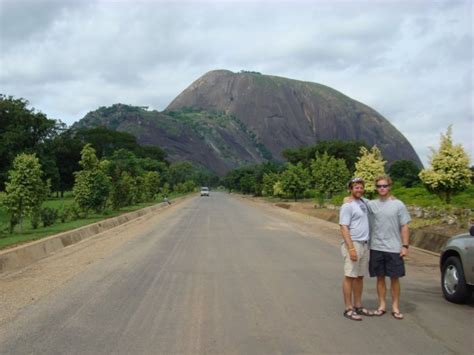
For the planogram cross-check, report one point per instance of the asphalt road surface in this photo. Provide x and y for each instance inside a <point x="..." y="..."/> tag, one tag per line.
<point x="220" y="275"/>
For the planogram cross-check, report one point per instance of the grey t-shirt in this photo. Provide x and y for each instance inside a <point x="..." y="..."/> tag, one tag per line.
<point x="386" y="219"/>
<point x="355" y="216"/>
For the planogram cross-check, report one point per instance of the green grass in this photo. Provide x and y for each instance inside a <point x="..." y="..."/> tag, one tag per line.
<point x="419" y="196"/>
<point x="30" y="234"/>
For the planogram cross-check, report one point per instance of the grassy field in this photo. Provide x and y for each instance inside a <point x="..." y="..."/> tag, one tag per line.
<point x="30" y="234"/>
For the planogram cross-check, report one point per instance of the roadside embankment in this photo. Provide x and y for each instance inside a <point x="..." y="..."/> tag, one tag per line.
<point x="431" y="238"/>
<point x="25" y="254"/>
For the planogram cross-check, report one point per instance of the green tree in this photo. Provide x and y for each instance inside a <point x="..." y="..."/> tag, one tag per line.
<point x="248" y="184"/>
<point x="269" y="181"/>
<point x="347" y="150"/>
<point x="370" y="165"/>
<point x="278" y="189"/>
<point x="106" y="141"/>
<point x="183" y="187"/>
<point x="330" y="175"/>
<point x="151" y="185"/>
<point x="259" y="172"/>
<point x="22" y="130"/>
<point x="295" y="180"/>
<point x="92" y="186"/>
<point x="66" y="151"/>
<point x="124" y="160"/>
<point x="124" y="169"/>
<point x="122" y="192"/>
<point x="179" y="172"/>
<point x="405" y="172"/>
<point x="449" y="172"/>
<point x="151" y="152"/>
<point x="138" y="191"/>
<point x="231" y="180"/>
<point x="25" y="190"/>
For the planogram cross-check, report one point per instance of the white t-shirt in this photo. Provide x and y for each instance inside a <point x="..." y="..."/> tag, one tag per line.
<point x="355" y="215"/>
<point x="387" y="218"/>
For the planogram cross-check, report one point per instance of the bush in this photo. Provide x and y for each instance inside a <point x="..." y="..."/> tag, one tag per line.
<point x="183" y="187"/>
<point x="48" y="216"/>
<point x="35" y="218"/>
<point x="74" y="212"/>
<point x="338" y="198"/>
<point x="64" y="214"/>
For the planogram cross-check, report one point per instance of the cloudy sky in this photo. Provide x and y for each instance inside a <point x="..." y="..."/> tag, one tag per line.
<point x="411" y="60"/>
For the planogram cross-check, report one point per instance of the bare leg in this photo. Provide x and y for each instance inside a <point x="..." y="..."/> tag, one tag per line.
<point x="395" y="286"/>
<point x="347" y="291"/>
<point x="357" y="286"/>
<point x="381" y="292"/>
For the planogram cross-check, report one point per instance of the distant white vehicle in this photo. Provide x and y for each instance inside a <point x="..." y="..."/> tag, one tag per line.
<point x="205" y="191"/>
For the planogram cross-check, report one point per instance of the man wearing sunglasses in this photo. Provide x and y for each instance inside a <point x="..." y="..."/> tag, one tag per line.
<point x="388" y="244"/>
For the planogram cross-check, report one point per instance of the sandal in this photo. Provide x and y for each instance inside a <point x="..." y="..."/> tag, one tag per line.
<point x="363" y="311"/>
<point x="379" y="312"/>
<point x="397" y="315"/>
<point x="352" y="315"/>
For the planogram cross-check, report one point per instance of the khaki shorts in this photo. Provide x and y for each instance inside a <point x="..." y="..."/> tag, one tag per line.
<point x="359" y="267"/>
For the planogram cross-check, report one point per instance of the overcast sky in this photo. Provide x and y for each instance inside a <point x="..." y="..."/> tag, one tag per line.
<point x="412" y="61"/>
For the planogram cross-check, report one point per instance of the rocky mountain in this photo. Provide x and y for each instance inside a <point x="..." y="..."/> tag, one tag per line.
<point x="287" y="113"/>
<point x="213" y="140"/>
<point x="225" y="120"/>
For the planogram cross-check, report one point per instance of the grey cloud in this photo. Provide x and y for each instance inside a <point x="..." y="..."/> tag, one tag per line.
<point x="22" y="19"/>
<point x="411" y="61"/>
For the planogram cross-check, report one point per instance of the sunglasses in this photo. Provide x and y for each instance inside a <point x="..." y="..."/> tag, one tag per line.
<point x="382" y="186"/>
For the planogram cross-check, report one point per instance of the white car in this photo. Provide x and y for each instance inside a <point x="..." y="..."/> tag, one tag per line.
<point x="205" y="191"/>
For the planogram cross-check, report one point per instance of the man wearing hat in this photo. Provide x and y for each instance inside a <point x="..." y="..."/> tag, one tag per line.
<point x="354" y="224"/>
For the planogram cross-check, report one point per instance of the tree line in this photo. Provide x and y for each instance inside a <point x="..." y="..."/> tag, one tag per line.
<point x="102" y="167"/>
<point x="322" y="170"/>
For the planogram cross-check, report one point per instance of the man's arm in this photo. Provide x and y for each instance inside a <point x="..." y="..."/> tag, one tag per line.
<point x="348" y="241"/>
<point x="405" y="233"/>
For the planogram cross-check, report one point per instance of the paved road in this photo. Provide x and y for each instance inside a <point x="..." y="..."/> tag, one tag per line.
<point x="225" y="276"/>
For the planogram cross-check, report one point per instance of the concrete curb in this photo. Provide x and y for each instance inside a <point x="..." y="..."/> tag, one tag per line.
<point x="24" y="255"/>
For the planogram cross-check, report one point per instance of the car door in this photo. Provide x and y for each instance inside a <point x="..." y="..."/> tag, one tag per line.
<point x="468" y="246"/>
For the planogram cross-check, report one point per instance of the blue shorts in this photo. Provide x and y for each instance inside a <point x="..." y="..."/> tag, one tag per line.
<point x="383" y="263"/>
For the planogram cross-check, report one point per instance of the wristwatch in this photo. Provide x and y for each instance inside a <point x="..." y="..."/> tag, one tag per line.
<point x="405" y="246"/>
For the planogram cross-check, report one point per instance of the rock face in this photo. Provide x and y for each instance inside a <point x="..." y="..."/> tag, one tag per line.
<point x="226" y="120"/>
<point x="287" y="113"/>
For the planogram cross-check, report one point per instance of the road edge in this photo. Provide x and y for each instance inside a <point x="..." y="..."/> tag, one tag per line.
<point x="26" y="254"/>
<point x="272" y="204"/>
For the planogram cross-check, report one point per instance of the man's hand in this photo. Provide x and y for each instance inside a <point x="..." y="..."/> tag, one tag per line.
<point x="348" y="199"/>
<point x="353" y="254"/>
<point x="405" y="234"/>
